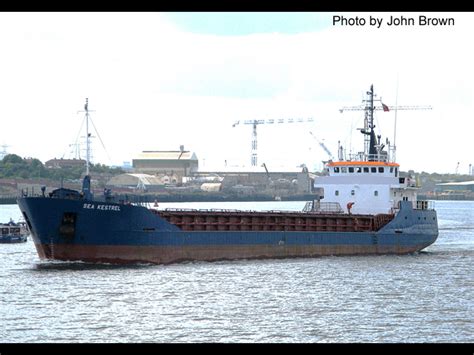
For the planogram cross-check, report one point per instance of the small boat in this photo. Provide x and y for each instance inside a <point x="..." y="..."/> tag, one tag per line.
<point x="12" y="232"/>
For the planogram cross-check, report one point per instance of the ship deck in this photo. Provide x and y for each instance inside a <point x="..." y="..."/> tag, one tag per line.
<point x="232" y="220"/>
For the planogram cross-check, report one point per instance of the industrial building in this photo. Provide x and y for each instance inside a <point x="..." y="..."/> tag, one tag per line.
<point x="137" y="182"/>
<point x="463" y="190"/>
<point x="171" y="163"/>
<point x="177" y="172"/>
<point x="64" y="163"/>
<point x="256" y="181"/>
<point x="456" y="186"/>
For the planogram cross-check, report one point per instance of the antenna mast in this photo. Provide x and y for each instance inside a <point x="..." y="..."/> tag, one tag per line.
<point x="372" y="146"/>
<point x="86" y="108"/>
<point x="368" y="130"/>
<point x="369" y="124"/>
<point x="88" y="135"/>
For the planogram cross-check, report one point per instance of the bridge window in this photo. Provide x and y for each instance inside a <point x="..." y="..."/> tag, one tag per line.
<point x="336" y="169"/>
<point x="358" y="169"/>
<point x="391" y="169"/>
<point x="351" y="169"/>
<point x="343" y="169"/>
<point x="381" y="169"/>
<point x="366" y="169"/>
<point x="373" y="169"/>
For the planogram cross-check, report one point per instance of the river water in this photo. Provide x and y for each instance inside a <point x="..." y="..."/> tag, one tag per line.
<point x="425" y="297"/>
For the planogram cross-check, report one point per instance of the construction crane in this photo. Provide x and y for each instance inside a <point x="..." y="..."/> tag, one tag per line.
<point x="370" y="141"/>
<point x="255" y="123"/>
<point x="385" y="108"/>
<point x="266" y="171"/>
<point x="323" y="146"/>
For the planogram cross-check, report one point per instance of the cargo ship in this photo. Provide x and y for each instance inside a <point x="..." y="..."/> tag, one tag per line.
<point x="365" y="208"/>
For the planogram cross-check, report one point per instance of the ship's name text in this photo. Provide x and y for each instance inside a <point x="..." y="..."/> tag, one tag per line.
<point x="393" y="21"/>
<point x="91" y="206"/>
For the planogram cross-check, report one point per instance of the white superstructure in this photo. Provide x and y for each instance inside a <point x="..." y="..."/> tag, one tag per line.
<point x="371" y="186"/>
<point x="369" y="182"/>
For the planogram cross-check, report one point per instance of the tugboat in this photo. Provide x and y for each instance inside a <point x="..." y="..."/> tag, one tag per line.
<point x="382" y="217"/>
<point x="12" y="232"/>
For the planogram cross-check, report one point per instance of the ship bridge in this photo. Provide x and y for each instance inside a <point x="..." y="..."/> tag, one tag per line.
<point x="360" y="168"/>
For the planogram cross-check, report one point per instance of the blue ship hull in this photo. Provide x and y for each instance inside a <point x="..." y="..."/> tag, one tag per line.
<point x="78" y="229"/>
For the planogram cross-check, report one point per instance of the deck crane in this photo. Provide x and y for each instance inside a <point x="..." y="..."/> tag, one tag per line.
<point x="255" y="123"/>
<point x="331" y="157"/>
<point x="372" y="146"/>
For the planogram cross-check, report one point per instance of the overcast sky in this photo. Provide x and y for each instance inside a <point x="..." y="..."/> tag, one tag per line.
<point x="160" y="80"/>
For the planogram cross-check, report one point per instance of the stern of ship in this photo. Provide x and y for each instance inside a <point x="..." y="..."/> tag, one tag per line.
<point x="412" y="229"/>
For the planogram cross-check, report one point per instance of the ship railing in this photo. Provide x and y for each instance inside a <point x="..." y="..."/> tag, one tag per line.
<point x="218" y="210"/>
<point x="202" y="210"/>
<point x="385" y="158"/>
<point x="323" y="207"/>
<point x="425" y="205"/>
<point x="417" y="205"/>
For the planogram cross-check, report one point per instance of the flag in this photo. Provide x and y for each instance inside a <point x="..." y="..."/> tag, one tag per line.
<point x="385" y="108"/>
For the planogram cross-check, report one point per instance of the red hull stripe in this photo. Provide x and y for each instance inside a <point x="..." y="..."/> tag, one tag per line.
<point x="173" y="254"/>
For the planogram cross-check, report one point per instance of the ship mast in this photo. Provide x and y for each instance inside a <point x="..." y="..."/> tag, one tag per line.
<point x="373" y="149"/>
<point x="370" y="141"/>
<point x="86" y="183"/>
<point x="86" y="108"/>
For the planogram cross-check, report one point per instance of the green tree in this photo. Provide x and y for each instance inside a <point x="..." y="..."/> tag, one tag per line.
<point x="14" y="166"/>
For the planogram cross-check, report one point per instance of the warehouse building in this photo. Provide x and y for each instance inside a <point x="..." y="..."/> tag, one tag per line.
<point x="463" y="186"/>
<point x="64" y="163"/>
<point x="136" y="182"/>
<point x="178" y="163"/>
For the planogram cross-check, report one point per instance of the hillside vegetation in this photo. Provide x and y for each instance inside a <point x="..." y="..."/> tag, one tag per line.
<point x="14" y="166"/>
